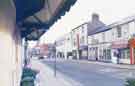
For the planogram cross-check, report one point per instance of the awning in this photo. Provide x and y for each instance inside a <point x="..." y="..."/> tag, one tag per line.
<point x="36" y="16"/>
<point x="26" y="8"/>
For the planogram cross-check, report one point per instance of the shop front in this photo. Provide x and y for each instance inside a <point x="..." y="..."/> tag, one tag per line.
<point x="104" y="52"/>
<point x="132" y="50"/>
<point x="92" y="53"/>
<point x="83" y="52"/>
<point x="120" y="52"/>
<point x="100" y="52"/>
<point x="74" y="54"/>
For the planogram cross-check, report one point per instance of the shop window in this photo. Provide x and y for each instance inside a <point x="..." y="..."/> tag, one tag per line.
<point x="125" y="53"/>
<point x="108" y="53"/>
<point x="74" y="42"/>
<point x="103" y="37"/>
<point x="82" y="29"/>
<point x="119" y="32"/>
<point x="84" y="53"/>
<point x="82" y="40"/>
<point x="101" y="54"/>
<point x="115" y="54"/>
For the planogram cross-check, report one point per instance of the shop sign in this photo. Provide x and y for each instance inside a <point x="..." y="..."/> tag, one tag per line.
<point x="120" y="44"/>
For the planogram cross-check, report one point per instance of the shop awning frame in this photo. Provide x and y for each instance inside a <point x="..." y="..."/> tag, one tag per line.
<point x="29" y="27"/>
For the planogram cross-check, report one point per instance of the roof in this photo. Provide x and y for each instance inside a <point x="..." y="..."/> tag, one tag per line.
<point x="123" y="21"/>
<point x="101" y="27"/>
<point x="39" y="15"/>
<point x="79" y="26"/>
<point x="96" y="27"/>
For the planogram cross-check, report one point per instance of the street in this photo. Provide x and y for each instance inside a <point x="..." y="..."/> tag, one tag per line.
<point x="91" y="74"/>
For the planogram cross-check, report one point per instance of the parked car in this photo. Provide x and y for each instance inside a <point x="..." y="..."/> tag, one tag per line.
<point x="41" y="57"/>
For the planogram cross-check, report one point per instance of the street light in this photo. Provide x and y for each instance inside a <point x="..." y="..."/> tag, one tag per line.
<point x="54" y="54"/>
<point x="25" y="52"/>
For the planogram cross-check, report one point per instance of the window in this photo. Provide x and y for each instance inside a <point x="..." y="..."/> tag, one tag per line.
<point x="82" y="39"/>
<point x="113" y="34"/>
<point x="119" y="33"/>
<point x="125" y="30"/>
<point x="125" y="53"/>
<point x="103" y="37"/>
<point x="74" y="42"/>
<point x="68" y="39"/>
<point x="82" y="29"/>
<point x="108" y="51"/>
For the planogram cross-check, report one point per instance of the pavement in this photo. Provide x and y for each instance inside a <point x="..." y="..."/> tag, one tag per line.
<point x="46" y="76"/>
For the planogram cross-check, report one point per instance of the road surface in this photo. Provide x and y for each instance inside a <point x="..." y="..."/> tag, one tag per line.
<point x="88" y="74"/>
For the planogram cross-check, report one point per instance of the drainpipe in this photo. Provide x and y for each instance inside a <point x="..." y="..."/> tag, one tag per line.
<point x="78" y="47"/>
<point x="25" y="52"/>
<point x="131" y="55"/>
<point x="54" y="54"/>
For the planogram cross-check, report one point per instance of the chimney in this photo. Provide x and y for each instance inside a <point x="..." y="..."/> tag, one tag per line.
<point x="95" y="17"/>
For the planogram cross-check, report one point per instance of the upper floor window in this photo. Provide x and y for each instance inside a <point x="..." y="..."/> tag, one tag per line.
<point x="83" y="29"/>
<point x="125" y="30"/>
<point x="103" y="36"/>
<point x="119" y="32"/>
<point x="68" y="39"/>
<point x="74" y="42"/>
<point x="82" y="41"/>
<point x="112" y="32"/>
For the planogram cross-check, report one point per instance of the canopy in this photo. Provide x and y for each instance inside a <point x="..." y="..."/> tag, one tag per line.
<point x="34" y="17"/>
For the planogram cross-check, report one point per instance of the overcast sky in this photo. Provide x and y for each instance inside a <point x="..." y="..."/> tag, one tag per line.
<point x="109" y="11"/>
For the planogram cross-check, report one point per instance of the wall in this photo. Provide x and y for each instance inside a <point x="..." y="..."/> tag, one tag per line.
<point x="132" y="28"/>
<point x="84" y="34"/>
<point x="74" y="38"/>
<point x="67" y="44"/>
<point x="10" y="46"/>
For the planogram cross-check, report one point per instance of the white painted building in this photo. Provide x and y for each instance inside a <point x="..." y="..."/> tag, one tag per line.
<point x="98" y="46"/>
<point x="68" y="45"/>
<point x="64" y="46"/>
<point x="79" y="41"/>
<point x="114" y="41"/>
<point x="122" y="32"/>
<point x="60" y="48"/>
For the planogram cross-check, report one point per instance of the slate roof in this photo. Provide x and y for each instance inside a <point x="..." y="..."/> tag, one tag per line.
<point x="99" y="26"/>
<point x="96" y="27"/>
<point x="123" y="21"/>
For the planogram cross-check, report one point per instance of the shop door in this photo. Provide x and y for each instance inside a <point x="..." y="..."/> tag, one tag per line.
<point x="96" y="53"/>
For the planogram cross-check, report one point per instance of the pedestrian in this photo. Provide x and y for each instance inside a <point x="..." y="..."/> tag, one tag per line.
<point x="118" y="56"/>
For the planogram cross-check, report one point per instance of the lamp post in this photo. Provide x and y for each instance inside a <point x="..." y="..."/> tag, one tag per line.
<point x="54" y="54"/>
<point x="25" y="52"/>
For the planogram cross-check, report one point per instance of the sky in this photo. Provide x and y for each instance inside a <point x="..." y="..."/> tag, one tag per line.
<point x="109" y="11"/>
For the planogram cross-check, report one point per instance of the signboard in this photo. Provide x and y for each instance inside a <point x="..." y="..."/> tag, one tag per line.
<point x="120" y="44"/>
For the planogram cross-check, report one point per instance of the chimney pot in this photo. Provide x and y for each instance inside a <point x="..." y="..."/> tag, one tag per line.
<point x="95" y="17"/>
